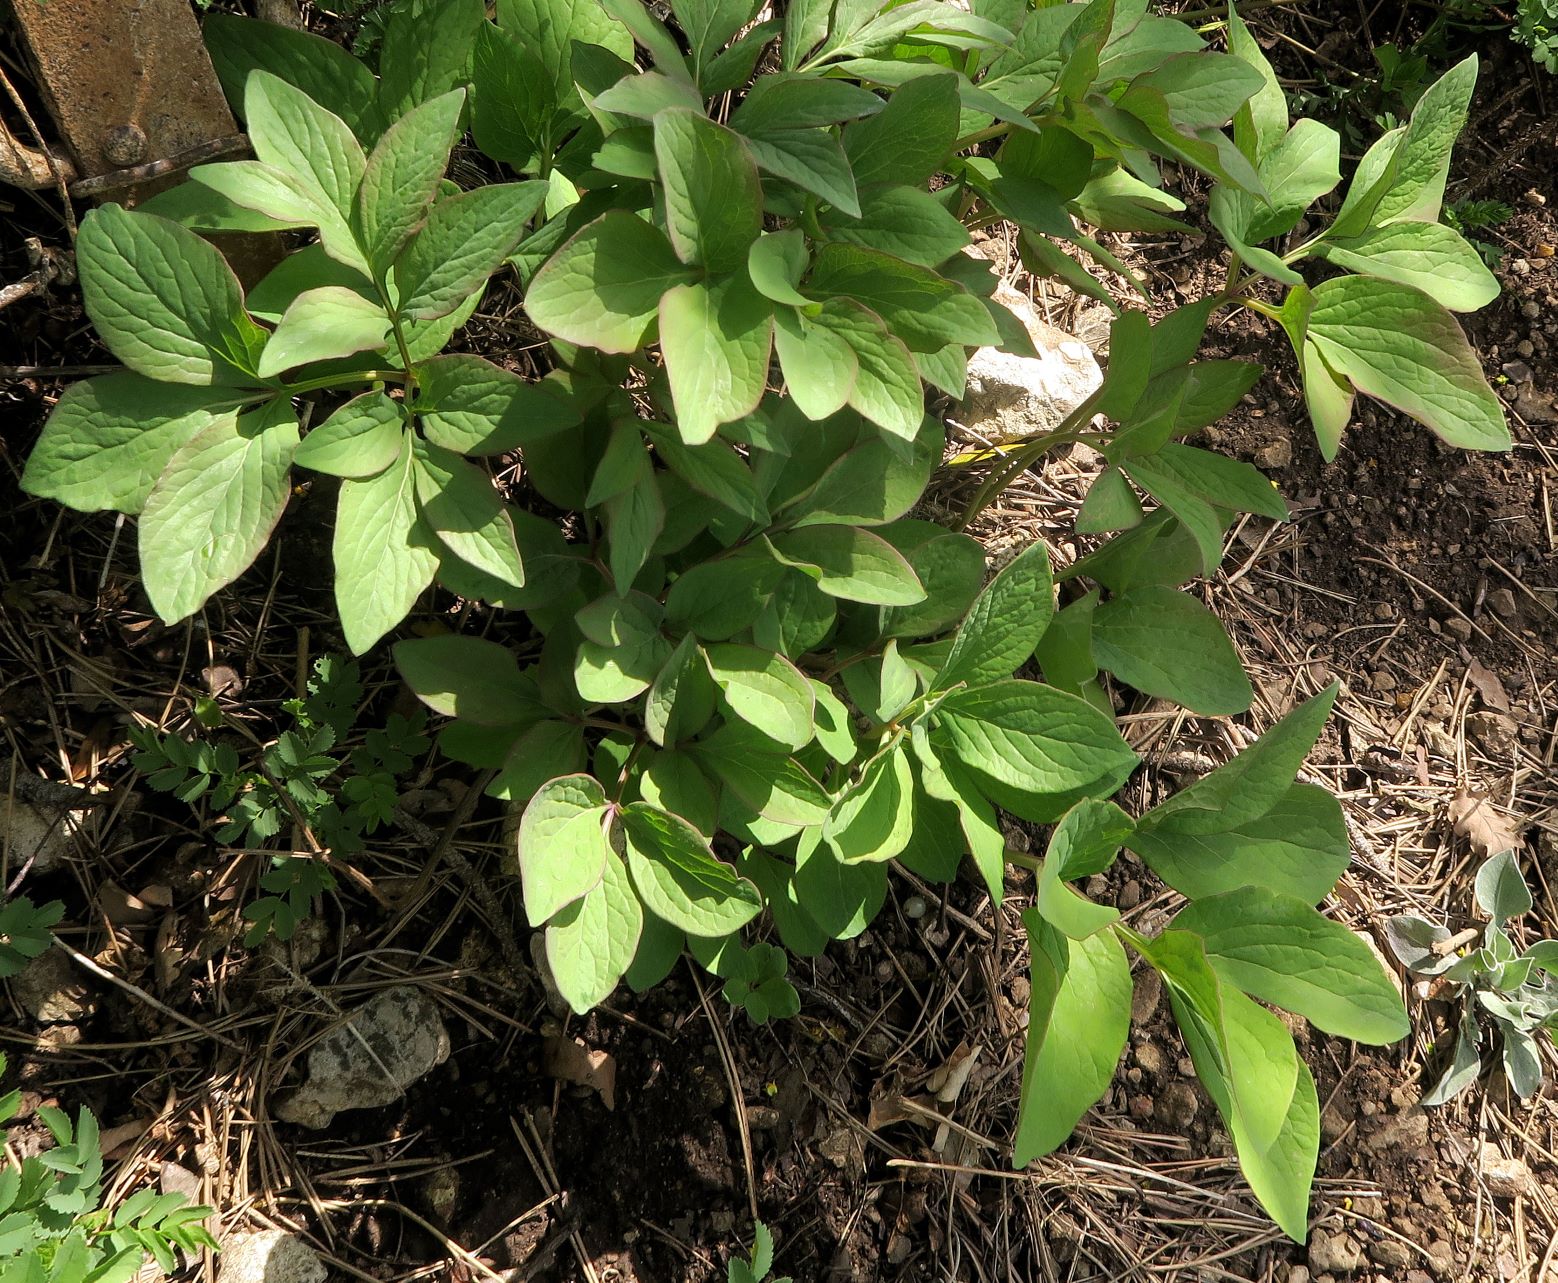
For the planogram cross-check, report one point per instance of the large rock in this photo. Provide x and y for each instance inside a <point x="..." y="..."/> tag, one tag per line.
<point x="270" y="1256"/>
<point x="369" y="1060"/>
<point x="1011" y="396"/>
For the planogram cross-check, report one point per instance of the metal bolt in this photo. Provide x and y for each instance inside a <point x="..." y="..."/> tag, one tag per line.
<point x="124" y="146"/>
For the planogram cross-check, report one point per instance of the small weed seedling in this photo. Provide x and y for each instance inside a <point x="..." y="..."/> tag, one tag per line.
<point x="755" y="1269"/>
<point x="53" y="1227"/>
<point x="341" y="800"/>
<point x="1517" y="992"/>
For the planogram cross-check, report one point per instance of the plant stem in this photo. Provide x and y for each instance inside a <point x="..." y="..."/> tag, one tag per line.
<point x="347" y="380"/>
<point x="1002" y="477"/>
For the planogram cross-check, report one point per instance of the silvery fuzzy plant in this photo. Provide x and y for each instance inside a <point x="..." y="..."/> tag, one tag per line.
<point x="724" y="677"/>
<point x="1493" y="986"/>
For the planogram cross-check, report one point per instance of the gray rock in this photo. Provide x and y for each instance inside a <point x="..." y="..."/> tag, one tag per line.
<point x="29" y="832"/>
<point x="1177" y="1106"/>
<point x="370" y="1059"/>
<point x="1391" y="1253"/>
<point x="1505" y="1177"/>
<point x="53" y="990"/>
<point x="1011" y="396"/>
<point x="1406" y="1132"/>
<point x="270" y="1256"/>
<point x="1334" y="1253"/>
<point x="1279" y="454"/>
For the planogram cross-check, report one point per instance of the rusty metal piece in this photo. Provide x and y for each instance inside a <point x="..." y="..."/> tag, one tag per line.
<point x="128" y="82"/>
<point x="135" y="175"/>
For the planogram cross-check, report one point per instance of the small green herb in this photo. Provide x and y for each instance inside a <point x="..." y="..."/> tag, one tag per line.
<point x="1517" y="992"/>
<point x="53" y="1225"/>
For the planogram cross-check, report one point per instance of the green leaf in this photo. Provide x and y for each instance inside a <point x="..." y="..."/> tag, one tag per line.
<point x="820" y="367"/>
<point x="779" y="102"/>
<point x="402" y="177"/>
<point x="109" y="438"/>
<point x="776" y="262"/>
<point x="650" y="32"/>
<point x="634" y="519"/>
<point x="812" y="159"/>
<point x="163" y="300"/>
<point x="718" y="599"/>
<point x="1277" y="948"/>
<point x="550" y="28"/>
<point x="292" y="133"/>
<point x="513" y="98"/>
<point x="1252" y="783"/>
<point x="214" y="507"/>
<point x="563" y="845"/>
<point x="290" y="198"/>
<point x="322" y="325"/>
<point x="1110" y="505"/>
<point x="871" y="484"/>
<point x="873" y="818"/>
<point x="925" y="310"/>
<point x="1427" y="256"/>
<point x="1501" y="891"/>
<point x="460" y="506"/>
<point x="384" y="555"/>
<point x="591" y="943"/>
<point x="852" y="564"/>
<point x="842" y="899"/>
<point x="679" y="878"/>
<point x="426" y="52"/>
<point x="623" y="651"/>
<point x="322" y="69"/>
<point x="470" y="678"/>
<point x="948" y="781"/>
<point x="1030" y="737"/>
<point x="762" y="776"/>
<point x="465" y="240"/>
<point x="717" y="471"/>
<point x="1079" y="1017"/>
<point x="1004" y="624"/>
<point x="681" y="697"/>
<point x="1299" y="170"/>
<point x="716" y="339"/>
<point x="709" y="25"/>
<point x="1085" y="842"/>
<point x="764" y="690"/>
<point x="1245" y="1059"/>
<point x="1299" y="847"/>
<point x="544" y="751"/>
<point x="908" y="141"/>
<point x="660" y="947"/>
<point x="887" y="387"/>
<point x="713" y="201"/>
<point x="360" y="439"/>
<point x="1420" y="164"/>
<point x="951" y="567"/>
<point x="603" y="287"/>
<point x="471" y="406"/>
<point x="1261" y="122"/>
<point x="1202" y="90"/>
<point x="1166" y="643"/>
<point x="1396" y="344"/>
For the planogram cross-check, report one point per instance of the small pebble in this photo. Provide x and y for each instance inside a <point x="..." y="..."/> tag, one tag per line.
<point x="914" y="908"/>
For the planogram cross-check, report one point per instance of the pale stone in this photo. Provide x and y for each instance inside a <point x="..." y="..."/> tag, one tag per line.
<point x="370" y="1059"/>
